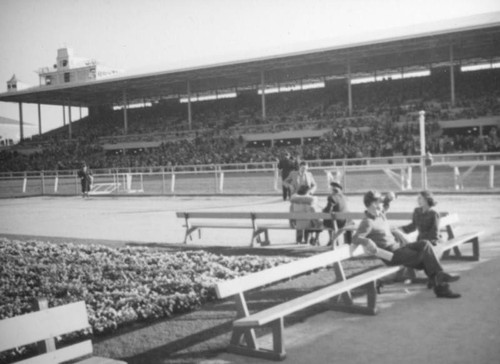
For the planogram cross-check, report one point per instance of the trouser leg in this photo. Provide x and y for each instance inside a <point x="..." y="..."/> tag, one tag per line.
<point x="299" y="234"/>
<point x="419" y="255"/>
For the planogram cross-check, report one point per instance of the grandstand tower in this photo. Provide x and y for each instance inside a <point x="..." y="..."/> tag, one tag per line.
<point x="71" y="69"/>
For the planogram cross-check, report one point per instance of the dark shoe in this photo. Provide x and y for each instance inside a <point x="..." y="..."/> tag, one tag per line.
<point x="444" y="291"/>
<point x="313" y="242"/>
<point x="430" y="283"/>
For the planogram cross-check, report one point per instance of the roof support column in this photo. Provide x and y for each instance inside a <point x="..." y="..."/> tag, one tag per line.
<point x="39" y="119"/>
<point x="64" y="115"/>
<point x="70" y="131"/>
<point x="452" y="77"/>
<point x="263" y="94"/>
<point x="21" y="131"/>
<point x="349" y="89"/>
<point x="125" y="113"/>
<point x="190" y="115"/>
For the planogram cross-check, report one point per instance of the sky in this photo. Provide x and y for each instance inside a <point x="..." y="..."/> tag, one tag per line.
<point x="134" y="35"/>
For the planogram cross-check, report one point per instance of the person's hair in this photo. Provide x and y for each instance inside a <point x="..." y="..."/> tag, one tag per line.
<point x="429" y="197"/>
<point x="303" y="190"/>
<point x="303" y="163"/>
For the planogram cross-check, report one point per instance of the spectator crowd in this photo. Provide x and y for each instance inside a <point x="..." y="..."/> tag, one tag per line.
<point x="383" y="122"/>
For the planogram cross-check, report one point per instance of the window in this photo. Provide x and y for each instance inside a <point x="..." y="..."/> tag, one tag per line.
<point x="64" y="62"/>
<point x="66" y="77"/>
<point x="48" y="80"/>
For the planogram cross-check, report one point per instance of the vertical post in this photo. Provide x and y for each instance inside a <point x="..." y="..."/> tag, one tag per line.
<point x="221" y="182"/>
<point x="423" y="167"/>
<point x="190" y="116"/>
<point x="492" y="176"/>
<point x="25" y="182"/>
<point x="452" y="77"/>
<point x="349" y="89"/>
<point x="456" y="177"/>
<point x="49" y="344"/>
<point x="172" y="186"/>
<point x="80" y="112"/>
<point x="21" y="129"/>
<point x="263" y="94"/>
<point x="70" y="132"/>
<point x="64" y="115"/>
<point x="409" y="178"/>
<point x="276" y="177"/>
<point x="39" y="119"/>
<point x="162" y="180"/>
<point x="43" y="182"/>
<point x="125" y="114"/>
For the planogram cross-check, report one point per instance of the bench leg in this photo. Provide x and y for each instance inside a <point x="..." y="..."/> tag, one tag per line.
<point x="256" y="236"/>
<point x="277" y="352"/>
<point x="371" y="306"/>
<point x="190" y="231"/>
<point x="475" y="249"/>
<point x="458" y="254"/>
<point x="345" y="297"/>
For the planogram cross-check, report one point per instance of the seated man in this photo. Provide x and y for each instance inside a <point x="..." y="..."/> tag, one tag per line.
<point x="374" y="233"/>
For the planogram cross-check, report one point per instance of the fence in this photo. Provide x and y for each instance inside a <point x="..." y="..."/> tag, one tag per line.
<point x="456" y="172"/>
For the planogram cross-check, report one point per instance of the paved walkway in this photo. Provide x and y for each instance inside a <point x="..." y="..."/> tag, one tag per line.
<point x="412" y="327"/>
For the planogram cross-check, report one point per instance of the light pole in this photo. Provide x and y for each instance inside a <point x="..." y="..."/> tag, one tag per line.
<point x="423" y="167"/>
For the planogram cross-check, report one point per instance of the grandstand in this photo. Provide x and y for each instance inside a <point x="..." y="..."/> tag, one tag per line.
<point x="350" y="99"/>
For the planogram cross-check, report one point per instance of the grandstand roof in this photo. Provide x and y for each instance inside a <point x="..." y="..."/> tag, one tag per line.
<point x="423" y="45"/>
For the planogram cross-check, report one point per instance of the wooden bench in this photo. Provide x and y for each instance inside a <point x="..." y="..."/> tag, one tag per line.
<point x="45" y="326"/>
<point x="243" y="340"/>
<point x="258" y="222"/>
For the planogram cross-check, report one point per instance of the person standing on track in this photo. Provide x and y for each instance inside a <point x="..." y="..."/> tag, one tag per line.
<point x="86" y="179"/>
<point x="286" y="165"/>
<point x="299" y="178"/>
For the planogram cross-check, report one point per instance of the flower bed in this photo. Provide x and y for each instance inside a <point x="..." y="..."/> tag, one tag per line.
<point x="119" y="285"/>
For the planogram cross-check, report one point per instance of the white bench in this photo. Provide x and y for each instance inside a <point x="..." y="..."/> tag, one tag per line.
<point x="258" y="222"/>
<point x="243" y="340"/>
<point x="45" y="326"/>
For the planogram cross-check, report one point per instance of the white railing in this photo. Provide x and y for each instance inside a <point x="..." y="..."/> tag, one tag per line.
<point x="451" y="172"/>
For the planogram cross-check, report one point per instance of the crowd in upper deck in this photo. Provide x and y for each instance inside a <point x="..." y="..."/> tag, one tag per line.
<point x="383" y="123"/>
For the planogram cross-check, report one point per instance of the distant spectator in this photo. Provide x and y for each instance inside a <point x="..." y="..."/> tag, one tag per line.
<point x="286" y="165"/>
<point x="86" y="179"/>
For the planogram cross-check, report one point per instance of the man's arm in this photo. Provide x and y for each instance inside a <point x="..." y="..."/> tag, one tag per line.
<point x="361" y="237"/>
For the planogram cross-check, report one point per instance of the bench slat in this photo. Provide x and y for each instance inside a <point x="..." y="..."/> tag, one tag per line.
<point x="61" y="355"/>
<point x="297" y="304"/>
<point x="42" y="325"/>
<point x="215" y="215"/>
<point x="227" y="225"/>
<point x="276" y="274"/>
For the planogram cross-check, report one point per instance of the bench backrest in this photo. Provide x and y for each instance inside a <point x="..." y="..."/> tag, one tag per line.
<point x="284" y="271"/>
<point x="297" y="215"/>
<point x="41" y="325"/>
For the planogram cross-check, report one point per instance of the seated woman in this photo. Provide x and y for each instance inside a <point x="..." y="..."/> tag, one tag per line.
<point x="425" y="219"/>
<point x="303" y="201"/>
